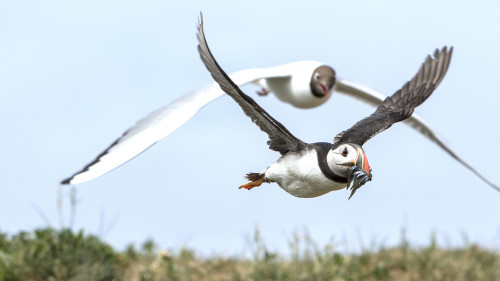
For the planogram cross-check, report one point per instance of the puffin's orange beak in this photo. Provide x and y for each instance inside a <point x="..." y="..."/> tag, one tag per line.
<point x="362" y="161"/>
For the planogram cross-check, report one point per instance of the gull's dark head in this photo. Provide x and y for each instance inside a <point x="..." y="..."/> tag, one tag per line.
<point x="322" y="81"/>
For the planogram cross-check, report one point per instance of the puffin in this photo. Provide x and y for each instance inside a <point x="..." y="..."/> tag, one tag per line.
<point x="308" y="170"/>
<point x="302" y="84"/>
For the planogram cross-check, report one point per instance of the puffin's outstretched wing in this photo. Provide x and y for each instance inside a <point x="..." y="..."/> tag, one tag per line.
<point x="280" y="139"/>
<point x="401" y="104"/>
<point x="373" y="98"/>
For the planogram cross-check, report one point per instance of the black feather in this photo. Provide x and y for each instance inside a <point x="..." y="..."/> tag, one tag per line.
<point x="280" y="139"/>
<point x="401" y="104"/>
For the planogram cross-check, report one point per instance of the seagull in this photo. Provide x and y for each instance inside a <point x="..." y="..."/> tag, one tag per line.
<point x="312" y="169"/>
<point x="303" y="84"/>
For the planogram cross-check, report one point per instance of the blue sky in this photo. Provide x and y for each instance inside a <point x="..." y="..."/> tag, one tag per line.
<point x="75" y="75"/>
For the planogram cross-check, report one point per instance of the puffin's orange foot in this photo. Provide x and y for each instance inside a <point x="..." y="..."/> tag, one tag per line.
<point x="253" y="184"/>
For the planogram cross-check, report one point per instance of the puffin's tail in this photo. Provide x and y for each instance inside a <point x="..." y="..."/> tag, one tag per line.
<point x="254" y="176"/>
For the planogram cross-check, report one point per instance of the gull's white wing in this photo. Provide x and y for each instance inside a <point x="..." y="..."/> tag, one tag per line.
<point x="374" y="99"/>
<point x="165" y="120"/>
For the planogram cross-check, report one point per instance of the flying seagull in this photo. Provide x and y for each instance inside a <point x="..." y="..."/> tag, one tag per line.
<point x="313" y="169"/>
<point x="295" y="83"/>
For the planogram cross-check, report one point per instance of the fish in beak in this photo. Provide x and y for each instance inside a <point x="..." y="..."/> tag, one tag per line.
<point x="359" y="172"/>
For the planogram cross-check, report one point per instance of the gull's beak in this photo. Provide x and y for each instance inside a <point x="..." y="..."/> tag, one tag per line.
<point x="326" y="89"/>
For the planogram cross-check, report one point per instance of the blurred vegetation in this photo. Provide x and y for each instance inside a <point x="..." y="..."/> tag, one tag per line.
<point x="49" y="254"/>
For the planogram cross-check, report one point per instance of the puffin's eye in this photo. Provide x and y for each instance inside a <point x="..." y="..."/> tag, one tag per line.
<point x="344" y="152"/>
<point x="316" y="75"/>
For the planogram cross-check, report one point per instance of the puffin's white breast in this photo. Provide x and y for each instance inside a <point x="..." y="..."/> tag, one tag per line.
<point x="299" y="174"/>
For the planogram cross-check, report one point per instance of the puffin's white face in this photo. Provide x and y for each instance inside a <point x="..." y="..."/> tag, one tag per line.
<point x="346" y="156"/>
<point x="349" y="161"/>
<point x="343" y="157"/>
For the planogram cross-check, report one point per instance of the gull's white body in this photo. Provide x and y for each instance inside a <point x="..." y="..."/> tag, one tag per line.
<point x="298" y="173"/>
<point x="289" y="82"/>
<point x="294" y="89"/>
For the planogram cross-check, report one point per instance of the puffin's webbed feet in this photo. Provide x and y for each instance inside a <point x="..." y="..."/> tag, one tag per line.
<point x="256" y="179"/>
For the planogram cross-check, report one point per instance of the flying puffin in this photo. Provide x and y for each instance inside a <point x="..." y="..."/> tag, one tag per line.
<point x="303" y="84"/>
<point x="313" y="169"/>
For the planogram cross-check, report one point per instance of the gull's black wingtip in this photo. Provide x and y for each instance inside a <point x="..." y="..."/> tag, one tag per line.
<point x="67" y="181"/>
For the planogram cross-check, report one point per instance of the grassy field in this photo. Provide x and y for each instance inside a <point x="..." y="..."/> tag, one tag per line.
<point x="48" y="254"/>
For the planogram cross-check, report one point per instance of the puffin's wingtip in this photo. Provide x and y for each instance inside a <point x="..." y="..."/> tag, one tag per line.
<point x="200" y="19"/>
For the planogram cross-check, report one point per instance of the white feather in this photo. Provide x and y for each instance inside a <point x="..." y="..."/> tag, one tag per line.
<point x="165" y="120"/>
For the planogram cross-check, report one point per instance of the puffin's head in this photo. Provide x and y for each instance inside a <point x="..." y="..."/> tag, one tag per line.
<point x="349" y="160"/>
<point x="322" y="81"/>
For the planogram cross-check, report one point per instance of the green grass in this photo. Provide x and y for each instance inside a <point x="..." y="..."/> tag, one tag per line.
<point x="48" y="254"/>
